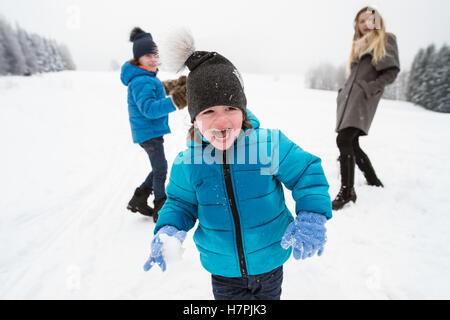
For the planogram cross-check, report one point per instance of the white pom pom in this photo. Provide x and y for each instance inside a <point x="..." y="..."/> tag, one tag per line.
<point x="176" y="49"/>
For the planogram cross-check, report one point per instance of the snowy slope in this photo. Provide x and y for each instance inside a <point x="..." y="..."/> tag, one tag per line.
<point x="68" y="168"/>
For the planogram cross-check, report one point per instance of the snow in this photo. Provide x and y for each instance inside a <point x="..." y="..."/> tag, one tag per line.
<point x="172" y="249"/>
<point x="68" y="168"/>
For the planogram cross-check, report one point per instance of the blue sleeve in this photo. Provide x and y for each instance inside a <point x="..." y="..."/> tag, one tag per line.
<point x="180" y="208"/>
<point x="144" y="94"/>
<point x="302" y="173"/>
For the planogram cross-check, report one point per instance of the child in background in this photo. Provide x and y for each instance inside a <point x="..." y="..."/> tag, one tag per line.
<point x="245" y="231"/>
<point x="148" y="109"/>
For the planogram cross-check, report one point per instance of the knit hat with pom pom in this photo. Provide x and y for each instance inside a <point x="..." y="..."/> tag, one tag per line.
<point x="142" y="43"/>
<point x="213" y="80"/>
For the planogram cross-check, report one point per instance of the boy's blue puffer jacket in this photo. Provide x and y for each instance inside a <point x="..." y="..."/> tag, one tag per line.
<point x="148" y="107"/>
<point x="240" y="228"/>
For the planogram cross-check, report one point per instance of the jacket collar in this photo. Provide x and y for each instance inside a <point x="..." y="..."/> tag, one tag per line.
<point x="129" y="72"/>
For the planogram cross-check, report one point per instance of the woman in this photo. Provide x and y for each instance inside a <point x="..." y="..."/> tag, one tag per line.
<point x="149" y="109"/>
<point x="373" y="64"/>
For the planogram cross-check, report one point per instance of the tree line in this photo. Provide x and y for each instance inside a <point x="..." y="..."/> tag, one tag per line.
<point x="429" y="79"/>
<point x="426" y="83"/>
<point x="23" y="53"/>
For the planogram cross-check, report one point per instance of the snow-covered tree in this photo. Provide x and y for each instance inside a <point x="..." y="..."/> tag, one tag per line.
<point x="27" y="50"/>
<point x="3" y="61"/>
<point x="429" y="79"/>
<point x="397" y="90"/>
<point x="12" y="52"/>
<point x="326" y="77"/>
<point x="37" y="45"/>
<point x="58" y="59"/>
<point x="414" y="75"/>
<point x="66" y="57"/>
<point x="25" y="54"/>
<point x="440" y="89"/>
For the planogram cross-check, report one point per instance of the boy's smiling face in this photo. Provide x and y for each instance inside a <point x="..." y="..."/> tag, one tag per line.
<point x="220" y="125"/>
<point x="150" y="61"/>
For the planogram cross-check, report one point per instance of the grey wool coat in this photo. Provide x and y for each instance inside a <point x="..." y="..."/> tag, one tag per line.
<point x="358" y="100"/>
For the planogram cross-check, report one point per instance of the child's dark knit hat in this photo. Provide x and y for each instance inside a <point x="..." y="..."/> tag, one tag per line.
<point x="213" y="80"/>
<point x="142" y="43"/>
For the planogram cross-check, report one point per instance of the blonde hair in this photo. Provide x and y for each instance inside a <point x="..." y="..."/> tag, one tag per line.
<point x="374" y="42"/>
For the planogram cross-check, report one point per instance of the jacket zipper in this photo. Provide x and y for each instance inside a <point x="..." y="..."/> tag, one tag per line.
<point x="237" y="223"/>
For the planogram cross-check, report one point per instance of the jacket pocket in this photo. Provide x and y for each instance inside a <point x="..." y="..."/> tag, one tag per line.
<point x="365" y="87"/>
<point x="338" y="97"/>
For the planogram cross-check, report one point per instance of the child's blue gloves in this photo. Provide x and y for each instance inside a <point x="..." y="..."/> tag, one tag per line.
<point x="306" y="235"/>
<point x="156" y="255"/>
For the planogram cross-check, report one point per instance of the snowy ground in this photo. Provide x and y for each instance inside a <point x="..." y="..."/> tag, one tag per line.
<point x="68" y="168"/>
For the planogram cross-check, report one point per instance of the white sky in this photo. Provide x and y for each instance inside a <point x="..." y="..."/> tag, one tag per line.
<point x="277" y="36"/>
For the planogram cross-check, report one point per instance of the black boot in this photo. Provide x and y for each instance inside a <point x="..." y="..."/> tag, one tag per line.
<point x="347" y="191"/>
<point x="344" y="196"/>
<point x="158" y="204"/>
<point x="365" y="166"/>
<point x="139" y="202"/>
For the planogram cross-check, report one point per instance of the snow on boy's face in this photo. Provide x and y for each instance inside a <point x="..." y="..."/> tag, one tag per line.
<point x="220" y="125"/>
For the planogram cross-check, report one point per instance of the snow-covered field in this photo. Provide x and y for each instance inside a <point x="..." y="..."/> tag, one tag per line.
<point x="68" y="168"/>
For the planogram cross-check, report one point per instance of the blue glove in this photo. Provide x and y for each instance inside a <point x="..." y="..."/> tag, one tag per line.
<point x="306" y="235"/>
<point x="156" y="256"/>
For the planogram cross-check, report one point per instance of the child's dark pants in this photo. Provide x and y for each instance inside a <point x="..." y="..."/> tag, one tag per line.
<point x="266" y="286"/>
<point x="157" y="177"/>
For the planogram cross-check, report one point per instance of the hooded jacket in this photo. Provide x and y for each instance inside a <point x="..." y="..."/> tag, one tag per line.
<point x="239" y="203"/>
<point x="148" y="106"/>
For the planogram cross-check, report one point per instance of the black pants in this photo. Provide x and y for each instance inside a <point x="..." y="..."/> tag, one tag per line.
<point x="350" y="153"/>
<point x="348" y="142"/>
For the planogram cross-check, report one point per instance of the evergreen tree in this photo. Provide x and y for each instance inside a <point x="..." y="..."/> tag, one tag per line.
<point x="326" y="77"/>
<point x="27" y="50"/>
<point x="12" y="53"/>
<point x="54" y="48"/>
<point x="426" y="77"/>
<point x="414" y="75"/>
<point x="397" y="90"/>
<point x="38" y="46"/>
<point x="66" y="57"/>
<point x="22" y="53"/>
<point x="3" y="61"/>
<point x="49" y="56"/>
<point x="429" y="80"/>
<point x="440" y="91"/>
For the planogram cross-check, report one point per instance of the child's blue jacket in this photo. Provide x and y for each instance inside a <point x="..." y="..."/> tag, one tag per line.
<point x="240" y="207"/>
<point x="148" y="107"/>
